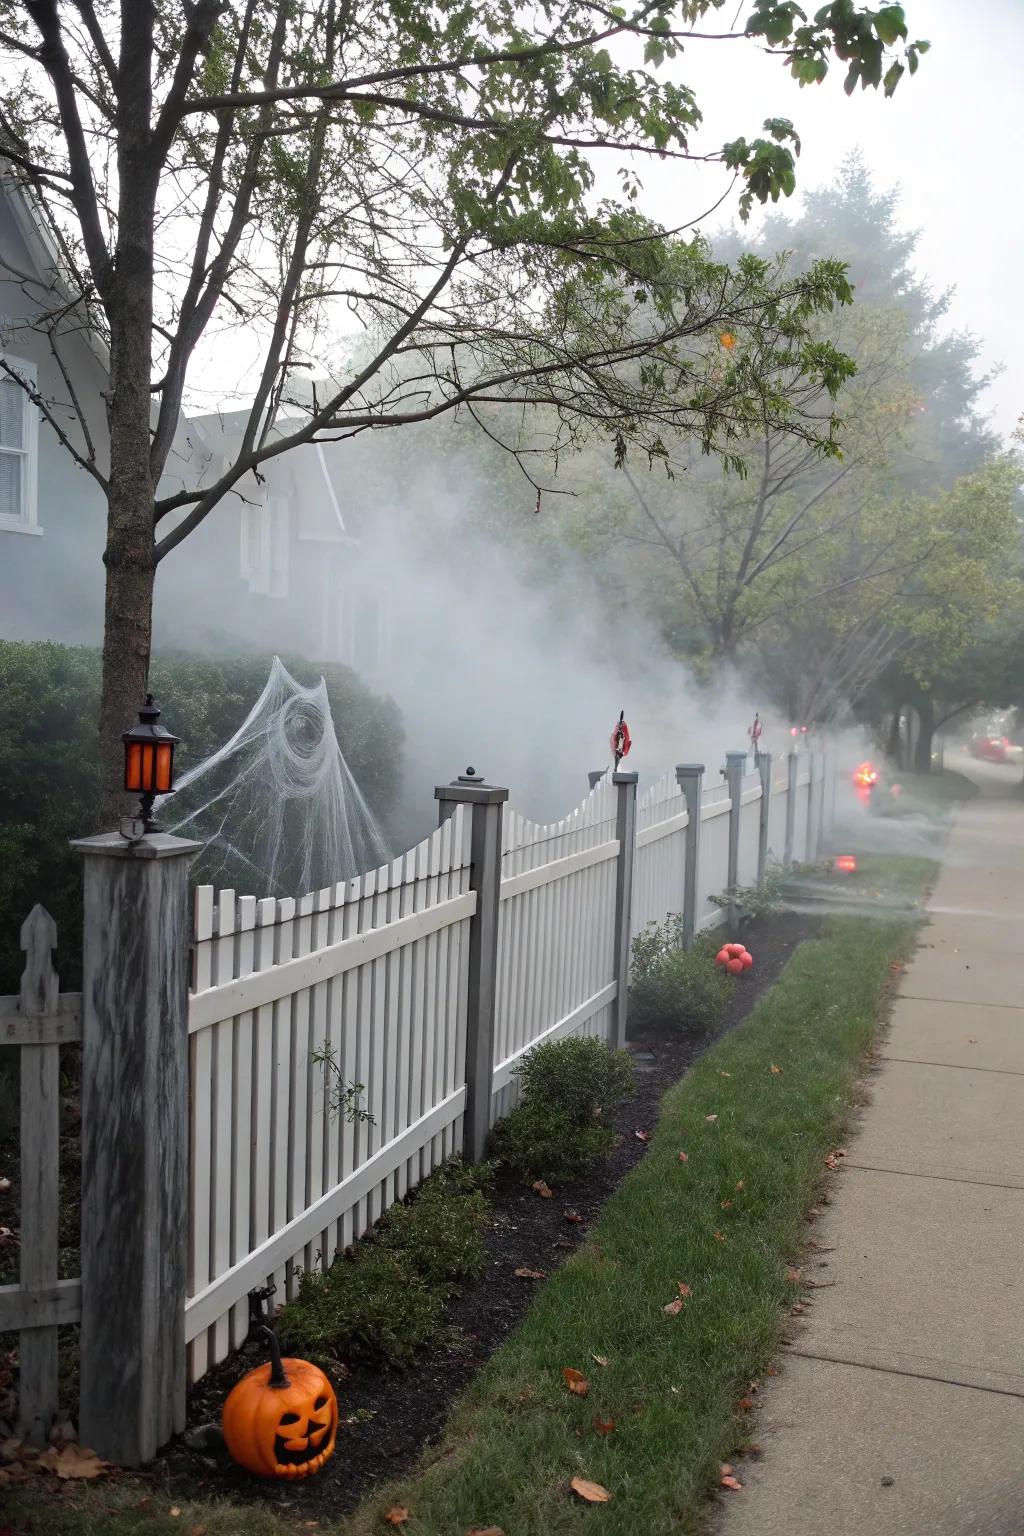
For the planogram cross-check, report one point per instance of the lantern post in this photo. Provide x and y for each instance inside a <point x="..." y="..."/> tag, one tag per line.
<point x="134" y="1242"/>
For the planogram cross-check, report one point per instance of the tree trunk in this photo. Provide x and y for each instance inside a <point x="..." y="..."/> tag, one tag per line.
<point x="925" y="734"/>
<point x="894" y="743"/>
<point x="127" y="632"/>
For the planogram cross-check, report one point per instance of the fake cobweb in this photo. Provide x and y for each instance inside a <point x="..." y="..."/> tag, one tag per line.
<point x="277" y="807"/>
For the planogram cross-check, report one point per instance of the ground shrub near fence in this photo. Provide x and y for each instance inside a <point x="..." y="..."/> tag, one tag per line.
<point x="49" y="768"/>
<point x="671" y="988"/>
<point x="570" y="1091"/>
<point x="383" y="1298"/>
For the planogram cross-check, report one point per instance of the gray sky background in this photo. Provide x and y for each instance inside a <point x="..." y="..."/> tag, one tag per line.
<point x="951" y="138"/>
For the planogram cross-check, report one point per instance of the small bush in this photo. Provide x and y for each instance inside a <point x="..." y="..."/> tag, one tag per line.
<point x="571" y="1090"/>
<point x="372" y="1306"/>
<point x="383" y="1298"/>
<point x="753" y="903"/>
<point x="675" y="988"/>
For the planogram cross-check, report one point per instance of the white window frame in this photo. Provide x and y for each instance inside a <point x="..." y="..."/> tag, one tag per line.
<point x="27" y="520"/>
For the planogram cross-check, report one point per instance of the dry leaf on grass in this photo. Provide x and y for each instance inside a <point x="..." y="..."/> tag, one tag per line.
<point x="746" y="1403"/>
<point x="73" y="1461"/>
<point x="642" y="1135"/>
<point x="604" y="1426"/>
<point x="593" y="1493"/>
<point x="793" y="1275"/>
<point x="719" y="1237"/>
<point x="531" y="1274"/>
<point x="741" y="1186"/>
<point x="710" y="1119"/>
<point x="684" y="1290"/>
<point x="673" y="1308"/>
<point x="776" y="1071"/>
<point x="573" y="1217"/>
<point x="174" y="1511"/>
<point x="486" y="1530"/>
<point x="725" y="1074"/>
<point x="575" y="1381"/>
<point x="542" y="1189"/>
<point x="397" y="1515"/>
<point x="197" y="1530"/>
<point x="683" y="1158"/>
<point x="601" y="1359"/>
<point x="728" y="1481"/>
<point x="726" y="1205"/>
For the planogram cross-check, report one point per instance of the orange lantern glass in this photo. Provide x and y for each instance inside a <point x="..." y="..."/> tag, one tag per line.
<point x="149" y="759"/>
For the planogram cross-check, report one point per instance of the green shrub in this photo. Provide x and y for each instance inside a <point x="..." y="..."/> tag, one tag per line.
<point x="674" y="988"/>
<point x="372" y="1306"/>
<point x="571" y="1090"/>
<point x="753" y="903"/>
<point x="49" y="773"/>
<point x="383" y="1298"/>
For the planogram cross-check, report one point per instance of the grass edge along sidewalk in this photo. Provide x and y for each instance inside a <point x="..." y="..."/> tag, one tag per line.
<point x="674" y="1384"/>
<point x="756" y="1118"/>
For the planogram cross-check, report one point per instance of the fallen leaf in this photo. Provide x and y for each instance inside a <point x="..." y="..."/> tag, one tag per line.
<point x="741" y="1186"/>
<point x="719" y="1237"/>
<point x="397" y="1515"/>
<point x="563" y="1242"/>
<point x="683" y="1158"/>
<point x="593" y="1493"/>
<point x="642" y="1135"/>
<point x="531" y="1274"/>
<point x="725" y="1469"/>
<point x="971" y="1042"/>
<point x="728" y="340"/>
<point x="197" y="1530"/>
<point x="730" y="1482"/>
<point x="575" y="1381"/>
<point x="725" y="1074"/>
<point x="73" y="1461"/>
<point x="793" y="1275"/>
<point x="684" y="1290"/>
<point x="601" y="1359"/>
<point x="542" y="1189"/>
<point x="174" y="1512"/>
<point x="710" y="1119"/>
<point x="5" y="1185"/>
<point x="604" y="1426"/>
<point x="573" y="1216"/>
<point x="673" y="1308"/>
<point x="746" y="1403"/>
<point x="776" y="1071"/>
<point x="726" y="1205"/>
<point x="486" y="1530"/>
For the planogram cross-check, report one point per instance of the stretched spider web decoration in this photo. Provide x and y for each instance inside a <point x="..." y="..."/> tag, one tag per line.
<point x="277" y="807"/>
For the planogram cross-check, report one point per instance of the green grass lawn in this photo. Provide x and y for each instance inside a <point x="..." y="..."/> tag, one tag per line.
<point x="933" y="794"/>
<point x="756" y="1118"/>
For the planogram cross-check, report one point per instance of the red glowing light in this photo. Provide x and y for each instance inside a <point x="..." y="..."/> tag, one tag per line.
<point x="866" y="776"/>
<point x="847" y="863"/>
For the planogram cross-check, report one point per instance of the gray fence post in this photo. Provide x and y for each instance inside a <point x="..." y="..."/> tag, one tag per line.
<point x="134" y="1143"/>
<point x="734" y="765"/>
<point x="596" y="775"/>
<point x="764" y="768"/>
<point x="812" y="818"/>
<point x="625" y="831"/>
<point x="690" y="778"/>
<point x="792" y="772"/>
<point x="486" y="802"/>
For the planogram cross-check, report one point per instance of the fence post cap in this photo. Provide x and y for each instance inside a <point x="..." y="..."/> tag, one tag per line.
<point x="732" y="758"/>
<point x="470" y="788"/>
<point x="154" y="845"/>
<point x="689" y="770"/>
<point x="625" y="778"/>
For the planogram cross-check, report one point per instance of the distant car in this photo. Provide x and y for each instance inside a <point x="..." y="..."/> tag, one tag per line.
<point x="995" y="748"/>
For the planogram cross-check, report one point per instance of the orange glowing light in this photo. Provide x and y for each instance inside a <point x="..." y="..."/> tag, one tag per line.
<point x="846" y="863"/>
<point x="866" y="775"/>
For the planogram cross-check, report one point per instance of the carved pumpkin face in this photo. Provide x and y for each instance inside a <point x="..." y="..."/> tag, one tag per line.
<point x="285" y="1431"/>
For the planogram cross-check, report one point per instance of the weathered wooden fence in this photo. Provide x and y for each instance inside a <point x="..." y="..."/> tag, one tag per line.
<point x="423" y="983"/>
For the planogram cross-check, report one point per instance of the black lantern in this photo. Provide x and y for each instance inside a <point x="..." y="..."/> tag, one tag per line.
<point x="149" y="760"/>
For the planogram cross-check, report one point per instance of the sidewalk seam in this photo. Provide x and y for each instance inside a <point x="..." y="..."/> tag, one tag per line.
<point x="954" y="1066"/>
<point x="944" y="1178"/>
<point x="888" y="1370"/>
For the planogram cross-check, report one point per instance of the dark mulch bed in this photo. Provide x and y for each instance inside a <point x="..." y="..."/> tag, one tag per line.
<point x="388" y="1416"/>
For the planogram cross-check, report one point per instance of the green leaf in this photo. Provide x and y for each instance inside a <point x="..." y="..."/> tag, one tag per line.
<point x="890" y="24"/>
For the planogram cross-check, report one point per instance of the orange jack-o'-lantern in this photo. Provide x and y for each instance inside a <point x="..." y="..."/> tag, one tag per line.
<point x="281" y="1420"/>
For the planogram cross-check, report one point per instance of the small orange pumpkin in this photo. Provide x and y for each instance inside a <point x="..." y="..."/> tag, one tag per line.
<point x="281" y="1420"/>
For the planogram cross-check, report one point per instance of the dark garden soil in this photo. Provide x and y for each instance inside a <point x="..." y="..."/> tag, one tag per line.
<point x="389" y="1415"/>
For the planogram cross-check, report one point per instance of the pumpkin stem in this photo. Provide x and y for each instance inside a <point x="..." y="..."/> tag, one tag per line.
<point x="277" y="1372"/>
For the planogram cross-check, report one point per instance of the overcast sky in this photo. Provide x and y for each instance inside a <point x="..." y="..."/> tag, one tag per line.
<point x="952" y="138"/>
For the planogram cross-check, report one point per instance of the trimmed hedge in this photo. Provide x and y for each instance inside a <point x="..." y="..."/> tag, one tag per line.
<point x="49" y="763"/>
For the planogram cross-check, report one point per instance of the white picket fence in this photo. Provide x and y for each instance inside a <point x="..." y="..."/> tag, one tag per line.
<point x="375" y="972"/>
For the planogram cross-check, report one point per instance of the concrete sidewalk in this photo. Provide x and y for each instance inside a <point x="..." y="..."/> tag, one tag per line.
<point x="899" y="1408"/>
